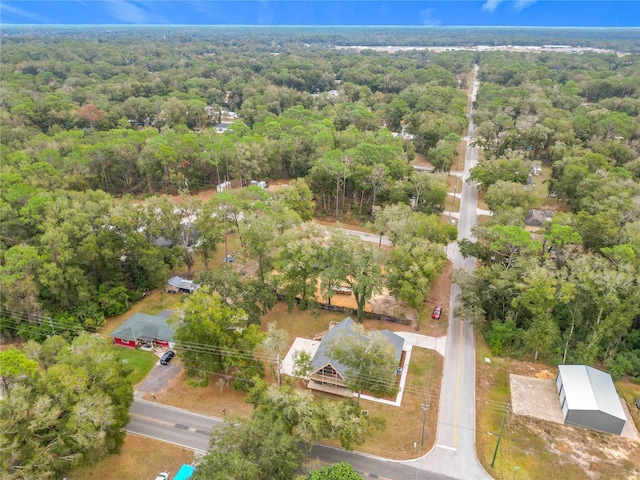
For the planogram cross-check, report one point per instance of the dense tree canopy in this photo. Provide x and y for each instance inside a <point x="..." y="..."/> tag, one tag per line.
<point x="273" y="443"/>
<point x="213" y="337"/>
<point x="67" y="406"/>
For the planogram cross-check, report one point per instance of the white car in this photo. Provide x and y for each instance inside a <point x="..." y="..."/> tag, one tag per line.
<point x="162" y="476"/>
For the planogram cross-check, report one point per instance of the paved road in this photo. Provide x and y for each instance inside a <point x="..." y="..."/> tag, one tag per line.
<point x="159" y="376"/>
<point x="454" y="454"/>
<point x="191" y="430"/>
<point x="171" y="424"/>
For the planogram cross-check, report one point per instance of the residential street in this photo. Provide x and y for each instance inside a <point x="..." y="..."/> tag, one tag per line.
<point x="172" y="425"/>
<point x="454" y="453"/>
<point x="191" y="430"/>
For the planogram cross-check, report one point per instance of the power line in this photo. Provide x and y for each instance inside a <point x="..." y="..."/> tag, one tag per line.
<point x="428" y="391"/>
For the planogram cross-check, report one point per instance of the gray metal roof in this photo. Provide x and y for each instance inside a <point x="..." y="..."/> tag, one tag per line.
<point x="589" y="389"/>
<point x="346" y="327"/>
<point x="182" y="283"/>
<point x="144" y="327"/>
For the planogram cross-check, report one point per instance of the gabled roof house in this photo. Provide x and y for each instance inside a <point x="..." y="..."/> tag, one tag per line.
<point x="144" y="328"/>
<point x="328" y="375"/>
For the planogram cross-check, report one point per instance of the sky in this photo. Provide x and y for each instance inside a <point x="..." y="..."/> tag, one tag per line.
<point x="545" y="13"/>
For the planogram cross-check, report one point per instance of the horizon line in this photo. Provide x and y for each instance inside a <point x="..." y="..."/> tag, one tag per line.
<point x="303" y="25"/>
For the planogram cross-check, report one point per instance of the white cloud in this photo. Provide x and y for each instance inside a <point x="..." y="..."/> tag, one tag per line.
<point x="23" y="14"/>
<point x="427" y="17"/>
<point x="139" y="12"/>
<point x="522" y="4"/>
<point x="126" y="12"/>
<point x="491" y="5"/>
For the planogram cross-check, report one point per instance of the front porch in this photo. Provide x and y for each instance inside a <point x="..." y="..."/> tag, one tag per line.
<point x="330" y="388"/>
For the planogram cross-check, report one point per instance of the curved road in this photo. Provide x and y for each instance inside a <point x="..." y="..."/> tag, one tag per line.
<point x="193" y="431"/>
<point x="454" y="455"/>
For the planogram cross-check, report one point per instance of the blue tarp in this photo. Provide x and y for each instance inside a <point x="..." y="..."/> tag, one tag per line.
<point x="185" y="472"/>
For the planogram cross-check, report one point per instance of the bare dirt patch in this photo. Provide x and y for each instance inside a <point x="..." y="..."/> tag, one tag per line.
<point x="482" y="205"/>
<point x="210" y="400"/>
<point x="535" y="397"/>
<point x="421" y="161"/>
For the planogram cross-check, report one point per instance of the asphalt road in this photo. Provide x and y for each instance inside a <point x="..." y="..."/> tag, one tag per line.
<point x="454" y="454"/>
<point x="191" y="430"/>
<point x="172" y="425"/>
<point x="369" y="237"/>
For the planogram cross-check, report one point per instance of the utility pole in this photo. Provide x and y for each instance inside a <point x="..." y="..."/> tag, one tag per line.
<point x="425" y="407"/>
<point x="495" y="453"/>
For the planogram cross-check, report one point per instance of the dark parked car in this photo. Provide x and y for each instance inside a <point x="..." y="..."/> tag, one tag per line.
<point x="436" y="313"/>
<point x="166" y="358"/>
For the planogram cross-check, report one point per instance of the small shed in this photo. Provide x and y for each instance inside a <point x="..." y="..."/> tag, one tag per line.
<point x="144" y="329"/>
<point x="181" y="285"/>
<point x="329" y="375"/>
<point x="589" y="399"/>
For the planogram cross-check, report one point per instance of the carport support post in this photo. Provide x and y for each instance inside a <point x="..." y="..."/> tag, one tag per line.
<point x="495" y="453"/>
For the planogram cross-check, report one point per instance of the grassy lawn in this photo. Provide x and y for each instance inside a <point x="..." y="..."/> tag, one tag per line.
<point x="450" y="203"/>
<point x="300" y="323"/>
<point x="141" y="361"/>
<point x="141" y="458"/>
<point x="481" y="203"/>
<point x="629" y="391"/>
<point x="536" y="449"/>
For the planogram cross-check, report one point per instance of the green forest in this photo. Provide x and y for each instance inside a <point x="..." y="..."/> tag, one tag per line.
<point x="571" y="292"/>
<point x="99" y="125"/>
<point x="94" y="133"/>
<point x="109" y="134"/>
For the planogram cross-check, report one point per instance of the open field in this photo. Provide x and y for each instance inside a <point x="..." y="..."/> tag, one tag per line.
<point x="536" y="449"/>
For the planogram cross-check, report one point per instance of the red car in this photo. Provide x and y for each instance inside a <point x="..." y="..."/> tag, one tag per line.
<point x="436" y="313"/>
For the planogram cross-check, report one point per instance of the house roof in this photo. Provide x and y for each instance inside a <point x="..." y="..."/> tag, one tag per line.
<point x="346" y="327"/>
<point x="144" y="327"/>
<point x="183" y="284"/>
<point x="589" y="389"/>
<point x="536" y="217"/>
